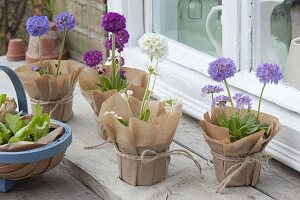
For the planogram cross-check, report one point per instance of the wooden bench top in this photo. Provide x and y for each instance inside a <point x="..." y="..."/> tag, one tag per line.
<point x="98" y="170"/>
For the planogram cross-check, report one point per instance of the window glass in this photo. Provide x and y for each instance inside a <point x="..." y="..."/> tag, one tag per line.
<point x="185" y="21"/>
<point x="279" y="25"/>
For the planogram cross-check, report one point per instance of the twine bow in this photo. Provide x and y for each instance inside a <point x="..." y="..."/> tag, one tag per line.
<point x="149" y="156"/>
<point x="63" y="100"/>
<point x="259" y="157"/>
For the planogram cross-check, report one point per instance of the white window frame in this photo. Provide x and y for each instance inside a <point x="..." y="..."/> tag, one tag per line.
<point x="184" y="77"/>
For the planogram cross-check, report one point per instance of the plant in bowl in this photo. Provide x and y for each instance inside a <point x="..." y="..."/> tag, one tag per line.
<point x="29" y="144"/>
<point x="51" y="83"/>
<point x="236" y="134"/>
<point x="101" y="81"/>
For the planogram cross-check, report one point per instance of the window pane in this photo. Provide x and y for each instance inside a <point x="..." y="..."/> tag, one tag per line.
<point x="185" y="22"/>
<point x="279" y="26"/>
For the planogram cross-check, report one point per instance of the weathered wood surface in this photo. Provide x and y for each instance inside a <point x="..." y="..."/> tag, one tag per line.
<point x="183" y="181"/>
<point x="57" y="184"/>
<point x="99" y="171"/>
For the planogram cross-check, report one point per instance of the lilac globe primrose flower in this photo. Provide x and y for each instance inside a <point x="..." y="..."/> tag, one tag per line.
<point x="220" y="101"/>
<point x="92" y="58"/>
<point x="211" y="89"/>
<point x="242" y="101"/>
<point x="122" y="73"/>
<point x="65" y="21"/>
<point x="35" y="68"/>
<point x="221" y="69"/>
<point x="37" y="25"/>
<point x="122" y="62"/>
<point x="113" y="22"/>
<point x="269" y="73"/>
<point x="122" y="38"/>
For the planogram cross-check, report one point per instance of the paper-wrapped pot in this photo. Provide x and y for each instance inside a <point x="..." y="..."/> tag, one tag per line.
<point x="20" y="171"/>
<point x="8" y="107"/>
<point x="136" y="79"/>
<point x="55" y="95"/>
<point x="228" y="156"/>
<point x="156" y="135"/>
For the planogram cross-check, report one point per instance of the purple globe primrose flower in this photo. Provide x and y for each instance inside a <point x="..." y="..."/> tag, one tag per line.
<point x="122" y="62"/>
<point x="242" y="101"/>
<point x="102" y="70"/>
<point x="210" y="89"/>
<point x="35" y="68"/>
<point x="221" y="69"/>
<point x="113" y="22"/>
<point x="37" y="25"/>
<point x="92" y="58"/>
<point x="269" y="73"/>
<point x="65" y="21"/>
<point x="221" y="101"/>
<point x="122" y="73"/>
<point x="122" y="38"/>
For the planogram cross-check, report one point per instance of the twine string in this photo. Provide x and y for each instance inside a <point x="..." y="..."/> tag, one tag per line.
<point x="61" y="101"/>
<point x="235" y="169"/>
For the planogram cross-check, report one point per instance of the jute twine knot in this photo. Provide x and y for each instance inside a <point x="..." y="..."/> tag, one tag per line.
<point x="149" y="156"/>
<point x="61" y="101"/>
<point x="259" y="157"/>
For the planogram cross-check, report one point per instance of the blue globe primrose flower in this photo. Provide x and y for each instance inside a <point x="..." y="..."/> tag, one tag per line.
<point x="65" y="21"/>
<point x="269" y="73"/>
<point x="242" y="100"/>
<point x="221" y="69"/>
<point x="220" y="101"/>
<point x="37" y="25"/>
<point x="211" y="89"/>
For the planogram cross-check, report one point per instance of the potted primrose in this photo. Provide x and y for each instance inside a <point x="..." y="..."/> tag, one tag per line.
<point x="51" y="83"/>
<point x="142" y="130"/>
<point x="102" y="81"/>
<point x="236" y="134"/>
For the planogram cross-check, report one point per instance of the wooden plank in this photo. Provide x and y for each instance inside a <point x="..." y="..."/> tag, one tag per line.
<point x="276" y="180"/>
<point x="56" y="184"/>
<point x="100" y="164"/>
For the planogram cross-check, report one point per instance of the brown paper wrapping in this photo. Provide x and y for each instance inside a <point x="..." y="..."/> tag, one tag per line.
<point x="137" y="80"/>
<point x="218" y="140"/>
<point x="156" y="135"/>
<point x="8" y="107"/>
<point x="21" y="171"/>
<point x="55" y="95"/>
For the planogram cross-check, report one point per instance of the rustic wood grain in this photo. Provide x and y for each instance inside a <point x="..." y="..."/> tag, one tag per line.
<point x="57" y="184"/>
<point x="183" y="181"/>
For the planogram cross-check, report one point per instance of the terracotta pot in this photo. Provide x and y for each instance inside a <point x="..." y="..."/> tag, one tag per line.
<point x="50" y="45"/>
<point x="16" y="50"/>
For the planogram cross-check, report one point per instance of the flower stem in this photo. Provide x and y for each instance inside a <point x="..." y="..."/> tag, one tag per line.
<point x="64" y="33"/>
<point x="41" y="51"/>
<point x="259" y="102"/>
<point x="229" y="94"/>
<point x="145" y="96"/>
<point x="155" y="76"/>
<point x="113" y="49"/>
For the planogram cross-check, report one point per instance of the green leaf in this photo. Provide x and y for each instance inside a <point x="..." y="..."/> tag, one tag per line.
<point x="147" y="115"/>
<point x="14" y="122"/>
<point x="14" y="140"/>
<point x="104" y="84"/>
<point x="2" y="99"/>
<point x="125" y="123"/>
<point x="4" y="134"/>
<point x="37" y="128"/>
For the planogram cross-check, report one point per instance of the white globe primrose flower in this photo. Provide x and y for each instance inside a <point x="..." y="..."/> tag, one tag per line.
<point x="171" y="104"/>
<point x="155" y="45"/>
<point x="126" y="95"/>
